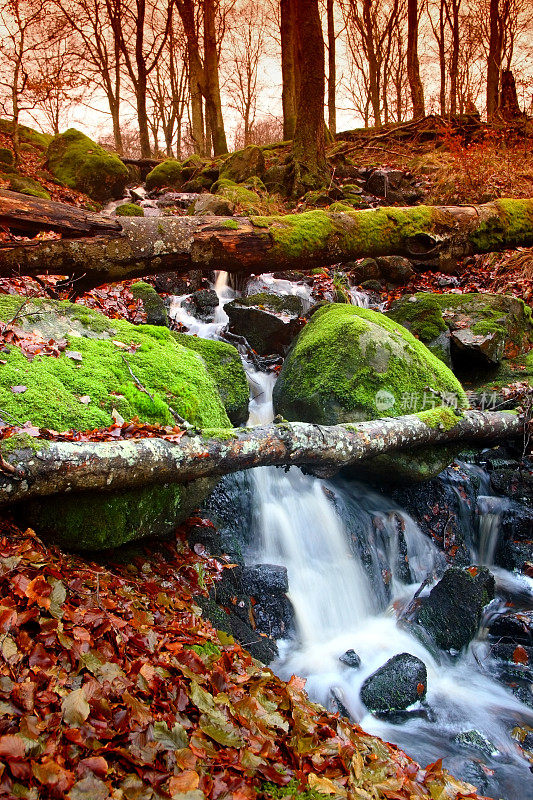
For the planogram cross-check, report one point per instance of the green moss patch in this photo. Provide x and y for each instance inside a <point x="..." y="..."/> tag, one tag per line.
<point x="442" y="417"/>
<point x="81" y="164"/>
<point x="281" y="304"/>
<point x="24" y="185"/>
<point x="247" y="201"/>
<point x="513" y="226"/>
<point x="168" y="174"/>
<point x="129" y="210"/>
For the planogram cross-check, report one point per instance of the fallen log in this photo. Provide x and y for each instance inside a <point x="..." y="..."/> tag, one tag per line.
<point x="436" y="235"/>
<point x="55" y="467"/>
<point x="20" y="212"/>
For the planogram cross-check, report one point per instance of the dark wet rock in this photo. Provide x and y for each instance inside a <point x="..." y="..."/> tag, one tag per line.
<point x="452" y="611"/>
<point x="513" y="626"/>
<point x="276" y="178"/>
<point x="153" y="305"/>
<point x="515" y="555"/>
<point x="396" y="269"/>
<point x="261" y="579"/>
<point x="475" y="740"/>
<point x="394" y="186"/>
<point x="273" y="616"/>
<point x="203" y="304"/>
<point x="244" y="164"/>
<point x="199" y="184"/>
<point x="178" y="284"/>
<point x="268" y="322"/>
<point x="366" y="269"/>
<point x="512" y="653"/>
<point x="177" y="199"/>
<point x="395" y="686"/>
<point x="514" y="481"/>
<point x="350" y="659"/>
<point x="211" y="205"/>
<point x="261" y="647"/>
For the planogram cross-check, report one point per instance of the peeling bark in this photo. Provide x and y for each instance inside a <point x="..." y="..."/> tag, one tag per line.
<point x="144" y="246"/>
<point x="61" y="467"/>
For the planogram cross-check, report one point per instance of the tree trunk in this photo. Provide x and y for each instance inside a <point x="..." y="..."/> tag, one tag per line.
<point x="494" y="60"/>
<point x="213" y="102"/>
<point x="509" y="107"/>
<point x="435" y="237"/>
<point x="413" y="67"/>
<point x="332" y="71"/>
<point x="196" y="78"/>
<point x="60" y="467"/>
<point x="289" y="92"/>
<point x="454" y="63"/>
<point x="309" y="147"/>
<point x="372" y="58"/>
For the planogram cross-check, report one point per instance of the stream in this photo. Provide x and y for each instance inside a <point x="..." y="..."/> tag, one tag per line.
<point x="334" y="539"/>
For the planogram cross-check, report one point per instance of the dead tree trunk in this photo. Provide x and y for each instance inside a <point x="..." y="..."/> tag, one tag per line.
<point x="59" y="467"/>
<point x="435" y="237"/>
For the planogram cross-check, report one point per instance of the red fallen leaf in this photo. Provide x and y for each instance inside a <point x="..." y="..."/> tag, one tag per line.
<point x="39" y="592"/>
<point x="420" y="688"/>
<point x="23" y="695"/>
<point x="520" y="655"/>
<point x="19" y="389"/>
<point x="52" y="774"/>
<point x="11" y="747"/>
<point x="473" y="571"/>
<point x="40" y="657"/>
<point x="95" y="764"/>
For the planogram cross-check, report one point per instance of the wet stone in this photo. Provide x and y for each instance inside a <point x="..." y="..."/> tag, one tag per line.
<point x="350" y="659"/>
<point x="395" y="686"/>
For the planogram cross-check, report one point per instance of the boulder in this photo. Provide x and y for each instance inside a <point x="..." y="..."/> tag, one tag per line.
<point x="7" y="159"/>
<point x="244" y="164"/>
<point x="81" y="164"/>
<point x="153" y="305"/>
<point x="265" y="579"/>
<point x="245" y="200"/>
<point x="452" y="611"/>
<point x="351" y="364"/>
<point x="203" y="304"/>
<point x="269" y="322"/>
<point x="211" y="205"/>
<point x="85" y="382"/>
<point x="177" y="283"/>
<point x="481" y="329"/>
<point x="395" y="686"/>
<point x="395" y="269"/>
<point x="167" y="175"/>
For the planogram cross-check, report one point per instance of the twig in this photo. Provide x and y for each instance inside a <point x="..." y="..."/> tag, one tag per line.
<point x="138" y="384"/>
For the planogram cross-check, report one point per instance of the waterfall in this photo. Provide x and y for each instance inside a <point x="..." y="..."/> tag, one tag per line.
<point x="353" y="558"/>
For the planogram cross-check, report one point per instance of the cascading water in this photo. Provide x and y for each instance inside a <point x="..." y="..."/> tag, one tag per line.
<point x="346" y="549"/>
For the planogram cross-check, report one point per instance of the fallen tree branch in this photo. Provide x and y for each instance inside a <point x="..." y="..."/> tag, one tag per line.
<point x="437" y="236"/>
<point x="57" y="467"/>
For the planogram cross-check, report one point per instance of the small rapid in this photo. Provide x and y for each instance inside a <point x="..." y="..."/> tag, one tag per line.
<point x="354" y="560"/>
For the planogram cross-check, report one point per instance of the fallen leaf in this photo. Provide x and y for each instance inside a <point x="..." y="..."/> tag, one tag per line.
<point x="75" y="708"/>
<point x="19" y="389"/>
<point x="85" y="399"/>
<point x="75" y="355"/>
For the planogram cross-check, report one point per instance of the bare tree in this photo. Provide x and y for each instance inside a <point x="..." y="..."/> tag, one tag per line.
<point x="168" y="93"/>
<point x="413" y="66"/>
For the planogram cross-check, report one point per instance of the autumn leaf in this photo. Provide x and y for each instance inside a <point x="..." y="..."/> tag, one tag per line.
<point x="520" y="655"/>
<point x="52" y="774"/>
<point x="75" y="708"/>
<point x="11" y="747"/>
<point x="186" y="781"/>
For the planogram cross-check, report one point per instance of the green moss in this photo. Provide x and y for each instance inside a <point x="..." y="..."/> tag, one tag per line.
<point x="22" y="441"/>
<point x="423" y="316"/>
<point x="7" y="158"/>
<point x="232" y="224"/>
<point x="340" y="362"/>
<point x="24" y="185"/>
<point x="224" y="365"/>
<point x="27" y="135"/>
<point x="129" y="210"/>
<point x="355" y="233"/>
<point x="340" y="206"/>
<point x="269" y="791"/>
<point x="81" y="164"/>
<point x="167" y="174"/>
<point x="442" y="417"/>
<point x="290" y="304"/>
<point x="513" y="226"/>
<point x="208" y="650"/>
<point x="248" y="201"/>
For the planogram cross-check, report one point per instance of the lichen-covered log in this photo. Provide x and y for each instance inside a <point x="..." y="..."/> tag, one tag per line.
<point x="437" y="235"/>
<point x="20" y="212"/>
<point x="35" y="468"/>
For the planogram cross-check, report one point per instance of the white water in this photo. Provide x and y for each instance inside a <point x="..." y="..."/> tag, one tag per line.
<point x="299" y="523"/>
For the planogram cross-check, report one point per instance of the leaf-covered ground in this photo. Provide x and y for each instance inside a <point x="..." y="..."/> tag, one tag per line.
<point x="112" y="685"/>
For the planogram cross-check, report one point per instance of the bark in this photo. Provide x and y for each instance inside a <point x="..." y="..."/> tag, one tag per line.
<point x="413" y="67"/>
<point x="433" y="236"/>
<point x="213" y="102"/>
<point x="309" y="146"/>
<point x="332" y="71"/>
<point x="25" y="213"/>
<point x="195" y="69"/>
<point x="59" y="467"/>
<point x="288" y="67"/>
<point x="494" y="59"/>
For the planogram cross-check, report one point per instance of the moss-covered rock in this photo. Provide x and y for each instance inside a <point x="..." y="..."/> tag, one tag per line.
<point x="81" y="164"/>
<point x="7" y="159"/>
<point x="28" y="136"/>
<point x="351" y="364"/>
<point x="24" y="185"/>
<point x="153" y="305"/>
<point x="79" y="390"/>
<point x="468" y="330"/>
<point x="167" y="175"/>
<point x="244" y="164"/>
<point x="224" y="364"/>
<point x="246" y="200"/>
<point x="129" y="210"/>
<point x="269" y="322"/>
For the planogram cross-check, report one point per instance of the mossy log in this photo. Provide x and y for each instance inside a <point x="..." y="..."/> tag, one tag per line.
<point x="32" y="468"/>
<point x="436" y="235"/>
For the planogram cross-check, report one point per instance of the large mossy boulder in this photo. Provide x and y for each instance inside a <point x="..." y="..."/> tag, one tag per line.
<point x="269" y="322"/>
<point x="81" y="164"/>
<point x="167" y="175"/>
<point x="351" y="364"/>
<point x="467" y="330"/>
<point x="91" y="378"/>
<point x="452" y="611"/>
<point x="244" y="164"/>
